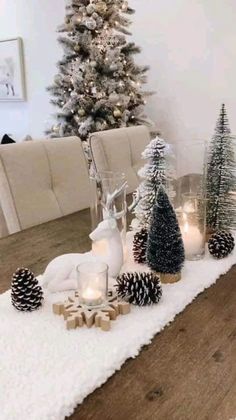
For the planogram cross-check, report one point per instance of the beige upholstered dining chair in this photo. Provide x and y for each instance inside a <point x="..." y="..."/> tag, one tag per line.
<point x="3" y="226"/>
<point x="120" y="150"/>
<point x="42" y="181"/>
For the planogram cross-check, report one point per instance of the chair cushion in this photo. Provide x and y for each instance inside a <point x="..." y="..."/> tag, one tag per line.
<point x="69" y="174"/>
<point x="41" y="181"/>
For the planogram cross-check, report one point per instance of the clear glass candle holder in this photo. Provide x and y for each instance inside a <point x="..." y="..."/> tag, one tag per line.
<point x="102" y="184"/>
<point x="192" y="221"/>
<point x="190" y="171"/>
<point x="92" y="284"/>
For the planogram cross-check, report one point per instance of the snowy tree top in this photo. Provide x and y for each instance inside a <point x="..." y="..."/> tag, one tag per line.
<point x="155" y="149"/>
<point x="222" y="125"/>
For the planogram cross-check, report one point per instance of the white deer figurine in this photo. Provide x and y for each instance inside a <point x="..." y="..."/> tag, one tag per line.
<point x="60" y="274"/>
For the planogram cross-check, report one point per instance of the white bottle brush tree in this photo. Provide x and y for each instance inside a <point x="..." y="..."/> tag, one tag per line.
<point x="156" y="172"/>
<point x="221" y="206"/>
<point x="98" y="85"/>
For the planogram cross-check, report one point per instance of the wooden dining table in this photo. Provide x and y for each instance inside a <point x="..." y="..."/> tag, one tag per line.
<point x="189" y="369"/>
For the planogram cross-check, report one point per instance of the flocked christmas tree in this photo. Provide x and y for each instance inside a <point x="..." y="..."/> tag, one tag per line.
<point x="221" y="208"/>
<point x="98" y="85"/>
<point x="155" y="172"/>
<point x="165" y="248"/>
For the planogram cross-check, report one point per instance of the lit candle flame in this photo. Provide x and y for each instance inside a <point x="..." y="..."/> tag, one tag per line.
<point x="89" y="293"/>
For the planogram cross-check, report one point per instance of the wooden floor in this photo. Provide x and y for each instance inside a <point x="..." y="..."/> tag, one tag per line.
<point x="188" y="372"/>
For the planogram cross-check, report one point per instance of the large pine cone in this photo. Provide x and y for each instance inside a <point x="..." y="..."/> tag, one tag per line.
<point x="221" y="244"/>
<point x="139" y="288"/>
<point x="26" y="294"/>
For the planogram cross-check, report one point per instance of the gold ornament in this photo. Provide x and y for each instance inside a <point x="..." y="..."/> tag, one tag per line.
<point x="77" y="48"/>
<point x="56" y="128"/>
<point x="124" y="6"/>
<point x="77" y="18"/>
<point x="81" y="112"/>
<point x="101" y="7"/>
<point x="117" y="113"/>
<point x="104" y="125"/>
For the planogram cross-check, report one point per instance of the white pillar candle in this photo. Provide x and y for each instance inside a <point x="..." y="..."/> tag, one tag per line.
<point x="192" y="237"/>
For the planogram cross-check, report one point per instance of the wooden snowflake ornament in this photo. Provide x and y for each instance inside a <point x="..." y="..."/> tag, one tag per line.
<point x="76" y="315"/>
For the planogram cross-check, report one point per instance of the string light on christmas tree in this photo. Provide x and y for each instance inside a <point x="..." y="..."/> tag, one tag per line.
<point x="95" y="32"/>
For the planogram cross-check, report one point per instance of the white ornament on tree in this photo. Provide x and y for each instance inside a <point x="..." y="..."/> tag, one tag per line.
<point x="90" y="23"/>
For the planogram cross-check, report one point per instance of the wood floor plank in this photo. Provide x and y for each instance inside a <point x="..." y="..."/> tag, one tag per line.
<point x="227" y="407"/>
<point x="184" y="373"/>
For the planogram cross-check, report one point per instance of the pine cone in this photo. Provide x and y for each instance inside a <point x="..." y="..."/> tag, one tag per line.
<point x="140" y="246"/>
<point x="26" y="294"/>
<point x="221" y="244"/>
<point x="139" y="288"/>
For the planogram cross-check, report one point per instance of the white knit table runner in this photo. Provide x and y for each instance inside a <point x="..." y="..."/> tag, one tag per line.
<point x="45" y="370"/>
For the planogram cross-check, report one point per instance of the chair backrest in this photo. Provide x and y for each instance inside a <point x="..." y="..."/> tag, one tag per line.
<point x="120" y="150"/>
<point x="41" y="181"/>
<point x="3" y="226"/>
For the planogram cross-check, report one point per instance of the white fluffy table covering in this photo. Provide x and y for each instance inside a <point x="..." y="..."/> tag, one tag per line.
<point x="45" y="370"/>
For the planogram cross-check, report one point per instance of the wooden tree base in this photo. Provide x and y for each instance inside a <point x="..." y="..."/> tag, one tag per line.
<point x="77" y="315"/>
<point x="170" y="278"/>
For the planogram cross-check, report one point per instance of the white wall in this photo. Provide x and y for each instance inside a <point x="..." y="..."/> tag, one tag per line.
<point x="35" y="21"/>
<point x="189" y="44"/>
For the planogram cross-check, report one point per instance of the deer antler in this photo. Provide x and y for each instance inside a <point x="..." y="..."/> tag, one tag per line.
<point x="136" y="199"/>
<point x="111" y="197"/>
<point x="109" y="206"/>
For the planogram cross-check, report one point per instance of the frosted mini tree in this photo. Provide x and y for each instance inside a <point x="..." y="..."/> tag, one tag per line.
<point x="221" y="208"/>
<point x="98" y="85"/>
<point x="154" y="173"/>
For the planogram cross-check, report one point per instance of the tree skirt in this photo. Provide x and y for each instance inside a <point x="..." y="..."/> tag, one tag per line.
<point x="45" y="370"/>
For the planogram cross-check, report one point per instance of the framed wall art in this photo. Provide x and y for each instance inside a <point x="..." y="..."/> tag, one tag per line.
<point x="12" y="77"/>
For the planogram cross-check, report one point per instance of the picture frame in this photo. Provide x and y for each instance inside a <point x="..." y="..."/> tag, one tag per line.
<point x="12" y="74"/>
